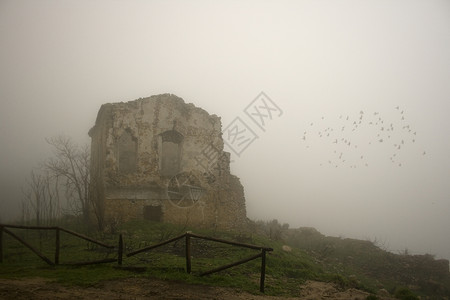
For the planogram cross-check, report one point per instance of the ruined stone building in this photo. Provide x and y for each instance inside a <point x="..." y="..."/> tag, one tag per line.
<point x="161" y="159"/>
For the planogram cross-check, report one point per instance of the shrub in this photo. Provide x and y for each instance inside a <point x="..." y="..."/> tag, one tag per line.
<point x="405" y="294"/>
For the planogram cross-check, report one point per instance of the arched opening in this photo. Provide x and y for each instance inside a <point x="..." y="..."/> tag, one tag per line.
<point x="127" y="153"/>
<point x="170" y="156"/>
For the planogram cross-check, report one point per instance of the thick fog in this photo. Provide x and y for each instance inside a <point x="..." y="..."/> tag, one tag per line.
<point x="356" y="133"/>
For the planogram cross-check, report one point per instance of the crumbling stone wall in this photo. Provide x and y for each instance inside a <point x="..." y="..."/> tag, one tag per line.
<point x="161" y="159"/>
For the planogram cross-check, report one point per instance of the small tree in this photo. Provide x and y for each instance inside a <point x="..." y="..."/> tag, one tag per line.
<point x="41" y="201"/>
<point x="65" y="176"/>
<point x="273" y="229"/>
<point x="34" y="196"/>
<point x="71" y="165"/>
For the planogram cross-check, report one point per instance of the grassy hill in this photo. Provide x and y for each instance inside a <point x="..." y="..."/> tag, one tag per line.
<point x="373" y="266"/>
<point x="299" y="255"/>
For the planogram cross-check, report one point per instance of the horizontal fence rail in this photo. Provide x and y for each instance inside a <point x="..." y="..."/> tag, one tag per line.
<point x="120" y="249"/>
<point x="156" y="246"/>
<point x="4" y="228"/>
<point x="35" y="251"/>
<point x="188" y="235"/>
<point x="229" y="242"/>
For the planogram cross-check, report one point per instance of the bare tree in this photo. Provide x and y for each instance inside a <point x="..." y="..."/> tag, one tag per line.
<point x="53" y="200"/>
<point x="24" y="210"/>
<point x="71" y="166"/>
<point x="34" y="198"/>
<point x="41" y="202"/>
<point x="65" y="176"/>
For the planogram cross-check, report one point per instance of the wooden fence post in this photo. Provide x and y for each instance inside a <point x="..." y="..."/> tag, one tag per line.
<point x="57" y="246"/>
<point x="120" y="254"/>
<point x="263" y="270"/>
<point x="188" y="253"/>
<point x="43" y="257"/>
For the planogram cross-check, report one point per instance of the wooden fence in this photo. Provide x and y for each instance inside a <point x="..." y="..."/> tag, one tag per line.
<point x="187" y="237"/>
<point x="4" y="228"/>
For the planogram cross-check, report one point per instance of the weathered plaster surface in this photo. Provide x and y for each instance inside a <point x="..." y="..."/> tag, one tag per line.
<point x="142" y="149"/>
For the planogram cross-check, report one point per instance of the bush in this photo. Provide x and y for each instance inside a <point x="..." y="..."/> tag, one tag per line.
<point x="405" y="294"/>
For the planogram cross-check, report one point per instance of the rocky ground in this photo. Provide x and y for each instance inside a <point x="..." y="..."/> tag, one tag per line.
<point x="138" y="288"/>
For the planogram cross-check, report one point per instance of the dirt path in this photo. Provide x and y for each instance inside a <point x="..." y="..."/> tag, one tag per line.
<point x="138" y="288"/>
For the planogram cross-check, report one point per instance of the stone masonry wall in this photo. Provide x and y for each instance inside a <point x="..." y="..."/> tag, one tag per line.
<point x="161" y="159"/>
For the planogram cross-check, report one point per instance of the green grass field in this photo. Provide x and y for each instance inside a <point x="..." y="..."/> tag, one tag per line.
<point x="285" y="270"/>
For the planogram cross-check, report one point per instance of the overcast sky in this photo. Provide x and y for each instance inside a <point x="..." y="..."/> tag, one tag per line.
<point x="359" y="146"/>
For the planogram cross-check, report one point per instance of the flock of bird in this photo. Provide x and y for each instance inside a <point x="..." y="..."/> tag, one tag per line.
<point x="352" y="138"/>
